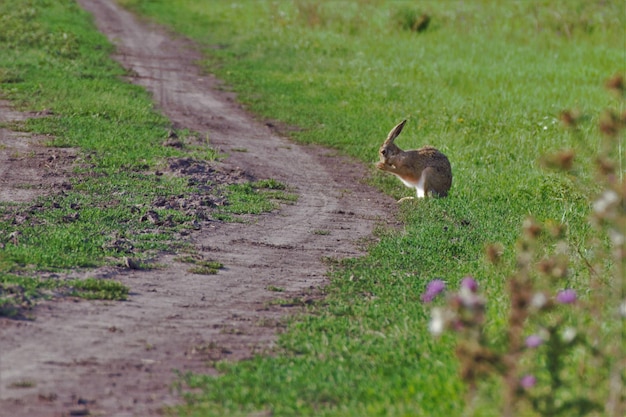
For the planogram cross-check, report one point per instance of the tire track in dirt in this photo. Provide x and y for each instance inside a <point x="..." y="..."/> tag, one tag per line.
<point x="117" y="359"/>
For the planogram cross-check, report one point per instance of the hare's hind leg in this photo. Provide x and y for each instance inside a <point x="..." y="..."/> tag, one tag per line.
<point x="435" y="182"/>
<point x="420" y="187"/>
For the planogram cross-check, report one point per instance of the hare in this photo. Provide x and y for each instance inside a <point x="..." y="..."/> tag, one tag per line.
<point x="425" y="169"/>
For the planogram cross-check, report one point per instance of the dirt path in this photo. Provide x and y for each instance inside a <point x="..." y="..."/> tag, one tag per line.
<point x="117" y="359"/>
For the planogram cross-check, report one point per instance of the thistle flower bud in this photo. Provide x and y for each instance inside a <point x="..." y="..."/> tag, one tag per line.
<point x="433" y="289"/>
<point x="610" y="123"/>
<point x="569" y="118"/>
<point x="531" y="228"/>
<point x="566" y="296"/>
<point x="494" y="252"/>
<point x="562" y="160"/>
<point x="528" y="381"/>
<point x="534" y="341"/>
<point x="469" y="283"/>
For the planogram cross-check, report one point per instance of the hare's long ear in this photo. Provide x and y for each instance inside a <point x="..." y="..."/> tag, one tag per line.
<point x="394" y="133"/>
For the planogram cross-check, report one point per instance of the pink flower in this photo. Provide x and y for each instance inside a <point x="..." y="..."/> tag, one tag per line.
<point x="433" y="289"/>
<point x="533" y="341"/>
<point x="566" y="297"/>
<point x="469" y="283"/>
<point x="528" y="381"/>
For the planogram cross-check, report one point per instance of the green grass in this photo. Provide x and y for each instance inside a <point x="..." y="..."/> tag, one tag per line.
<point x="53" y="59"/>
<point x="98" y="289"/>
<point x="256" y="197"/>
<point x="485" y="83"/>
<point x="18" y="293"/>
<point x="200" y="266"/>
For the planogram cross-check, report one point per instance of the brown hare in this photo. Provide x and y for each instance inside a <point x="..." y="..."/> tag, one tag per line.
<point x="425" y="169"/>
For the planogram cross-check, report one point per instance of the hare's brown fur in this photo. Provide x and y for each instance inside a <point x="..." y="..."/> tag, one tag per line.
<point x="425" y="169"/>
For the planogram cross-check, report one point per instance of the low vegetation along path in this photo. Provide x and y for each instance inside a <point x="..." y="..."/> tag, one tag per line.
<point x="117" y="358"/>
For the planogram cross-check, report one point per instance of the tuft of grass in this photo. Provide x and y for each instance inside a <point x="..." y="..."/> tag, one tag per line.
<point x="255" y="197"/>
<point x="98" y="289"/>
<point x="321" y="232"/>
<point x="205" y="269"/>
<point x="269" y="184"/>
<point x="412" y="19"/>
<point x="23" y="384"/>
<point x="19" y="293"/>
<point x="200" y="266"/>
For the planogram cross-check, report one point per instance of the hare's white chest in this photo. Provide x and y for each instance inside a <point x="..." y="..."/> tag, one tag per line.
<point x="418" y="185"/>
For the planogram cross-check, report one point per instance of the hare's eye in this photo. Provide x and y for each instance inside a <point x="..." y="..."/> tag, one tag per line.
<point x="383" y="152"/>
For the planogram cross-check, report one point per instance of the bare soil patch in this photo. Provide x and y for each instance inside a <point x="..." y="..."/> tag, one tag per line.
<point x="28" y="168"/>
<point x="118" y="358"/>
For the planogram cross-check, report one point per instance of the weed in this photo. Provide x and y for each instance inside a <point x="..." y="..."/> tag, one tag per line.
<point x="550" y="353"/>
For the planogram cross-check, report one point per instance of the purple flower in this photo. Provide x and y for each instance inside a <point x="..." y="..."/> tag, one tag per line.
<point x="528" y="381"/>
<point x="469" y="283"/>
<point x="533" y="341"/>
<point x="433" y="289"/>
<point x="566" y="296"/>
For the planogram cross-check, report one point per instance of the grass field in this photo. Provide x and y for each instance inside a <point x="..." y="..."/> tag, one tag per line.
<point x="53" y="59"/>
<point x="485" y="83"/>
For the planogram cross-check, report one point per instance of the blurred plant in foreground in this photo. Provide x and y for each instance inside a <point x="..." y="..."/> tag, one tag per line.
<point x="564" y="352"/>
